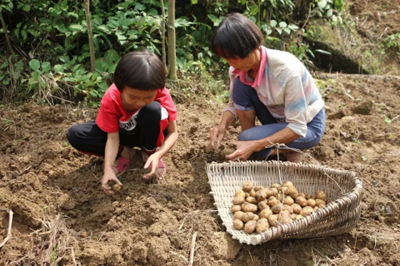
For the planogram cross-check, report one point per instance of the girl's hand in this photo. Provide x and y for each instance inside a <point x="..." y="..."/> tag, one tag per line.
<point x="109" y="175"/>
<point x="244" y="149"/>
<point x="153" y="161"/>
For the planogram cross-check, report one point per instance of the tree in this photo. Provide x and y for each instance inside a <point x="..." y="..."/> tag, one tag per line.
<point x="3" y="24"/>
<point x="164" y="59"/>
<point x="90" y="35"/>
<point x="171" y="40"/>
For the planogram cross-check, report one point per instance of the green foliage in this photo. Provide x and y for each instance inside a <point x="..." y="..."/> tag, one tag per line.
<point x="53" y="60"/>
<point x="393" y="42"/>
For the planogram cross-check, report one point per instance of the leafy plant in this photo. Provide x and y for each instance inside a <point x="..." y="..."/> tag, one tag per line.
<point x="393" y="42"/>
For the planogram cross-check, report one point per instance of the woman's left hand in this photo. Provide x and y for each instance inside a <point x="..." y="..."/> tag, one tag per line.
<point x="244" y="149"/>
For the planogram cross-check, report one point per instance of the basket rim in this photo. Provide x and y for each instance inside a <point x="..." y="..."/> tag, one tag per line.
<point x="281" y="229"/>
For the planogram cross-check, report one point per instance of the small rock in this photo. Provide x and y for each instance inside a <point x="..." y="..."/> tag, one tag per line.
<point x="84" y="234"/>
<point x="69" y="205"/>
<point x="52" y="174"/>
<point x="26" y="159"/>
<point x="363" y="109"/>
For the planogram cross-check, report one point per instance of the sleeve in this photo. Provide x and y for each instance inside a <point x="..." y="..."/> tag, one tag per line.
<point x="230" y="106"/>
<point x="107" y="118"/>
<point x="165" y="99"/>
<point x="296" y="106"/>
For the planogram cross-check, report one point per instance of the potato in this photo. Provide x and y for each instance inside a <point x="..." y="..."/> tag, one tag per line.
<point x="293" y="192"/>
<point x="301" y="201"/>
<point x="277" y="208"/>
<point x="309" y="196"/>
<point x="257" y="188"/>
<point x="237" y="224"/>
<point x="246" y="194"/>
<point x="272" y="219"/>
<point x="256" y="217"/>
<point x="250" y="226"/>
<point x="311" y="203"/>
<point x="262" y="225"/>
<point x="265" y="213"/>
<point x="284" y="217"/>
<point x="247" y="217"/>
<point x="320" y="195"/>
<point x="285" y="190"/>
<point x="288" y="200"/>
<point x="288" y="184"/>
<point x="272" y="201"/>
<point x="240" y="193"/>
<point x="277" y="186"/>
<point x="272" y="192"/>
<point x="279" y="196"/>
<point x="320" y="203"/>
<point x="238" y="215"/>
<point x="296" y="208"/>
<point x="244" y="204"/>
<point x="316" y="208"/>
<point x="298" y="217"/>
<point x="116" y="188"/>
<point x="306" y="211"/>
<point x="301" y="195"/>
<point x="235" y="208"/>
<point x="250" y="208"/>
<point x="293" y="216"/>
<point x="252" y="193"/>
<point x="287" y="208"/>
<point x="248" y="186"/>
<point x="261" y="195"/>
<point x="237" y="200"/>
<point x="263" y="205"/>
<point x="251" y="200"/>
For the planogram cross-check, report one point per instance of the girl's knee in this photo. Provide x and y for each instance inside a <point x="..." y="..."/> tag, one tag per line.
<point x="73" y="135"/>
<point x="152" y="108"/>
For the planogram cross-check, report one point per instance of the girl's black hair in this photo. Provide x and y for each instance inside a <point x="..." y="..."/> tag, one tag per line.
<point x="236" y="36"/>
<point x="140" y="70"/>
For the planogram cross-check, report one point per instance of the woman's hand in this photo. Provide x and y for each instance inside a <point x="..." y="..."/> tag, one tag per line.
<point x="109" y="175"/>
<point x="216" y="135"/>
<point x="244" y="149"/>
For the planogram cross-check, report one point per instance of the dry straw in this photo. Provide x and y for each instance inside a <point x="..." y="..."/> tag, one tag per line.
<point x="343" y="190"/>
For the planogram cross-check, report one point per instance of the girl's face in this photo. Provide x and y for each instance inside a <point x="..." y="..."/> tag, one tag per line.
<point x="245" y="64"/>
<point x="134" y="99"/>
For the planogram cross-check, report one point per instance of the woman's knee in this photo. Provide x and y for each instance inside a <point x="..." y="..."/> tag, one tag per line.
<point x="247" y="135"/>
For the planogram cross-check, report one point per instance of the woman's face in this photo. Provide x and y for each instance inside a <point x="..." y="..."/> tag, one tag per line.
<point x="244" y="64"/>
<point x="134" y="99"/>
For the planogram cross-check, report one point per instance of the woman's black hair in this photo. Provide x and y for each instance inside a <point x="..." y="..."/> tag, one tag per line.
<point x="140" y="70"/>
<point x="236" y="36"/>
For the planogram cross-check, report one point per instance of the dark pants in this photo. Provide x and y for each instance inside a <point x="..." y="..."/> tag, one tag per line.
<point x="89" y="138"/>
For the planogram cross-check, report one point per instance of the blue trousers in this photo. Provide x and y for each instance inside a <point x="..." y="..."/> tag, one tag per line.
<point x="246" y="97"/>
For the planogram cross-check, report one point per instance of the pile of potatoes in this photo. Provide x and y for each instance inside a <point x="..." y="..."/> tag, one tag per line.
<point x="258" y="208"/>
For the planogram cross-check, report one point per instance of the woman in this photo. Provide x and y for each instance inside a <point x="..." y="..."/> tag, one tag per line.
<point x="273" y="86"/>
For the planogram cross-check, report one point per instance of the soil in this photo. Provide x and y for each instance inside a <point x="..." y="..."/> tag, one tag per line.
<point x="62" y="217"/>
<point x="59" y="206"/>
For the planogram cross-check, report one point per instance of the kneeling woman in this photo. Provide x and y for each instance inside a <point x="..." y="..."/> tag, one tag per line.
<point x="273" y="86"/>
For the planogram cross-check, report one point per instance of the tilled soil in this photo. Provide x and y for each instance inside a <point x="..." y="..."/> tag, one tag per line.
<point x="61" y="215"/>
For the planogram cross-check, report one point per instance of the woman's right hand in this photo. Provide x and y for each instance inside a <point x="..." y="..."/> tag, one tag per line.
<point x="109" y="175"/>
<point x="216" y="135"/>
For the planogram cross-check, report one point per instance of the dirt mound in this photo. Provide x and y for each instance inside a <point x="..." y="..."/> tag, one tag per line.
<point x="41" y="176"/>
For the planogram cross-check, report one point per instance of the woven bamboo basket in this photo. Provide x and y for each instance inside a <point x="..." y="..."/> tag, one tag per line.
<point x="343" y="190"/>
